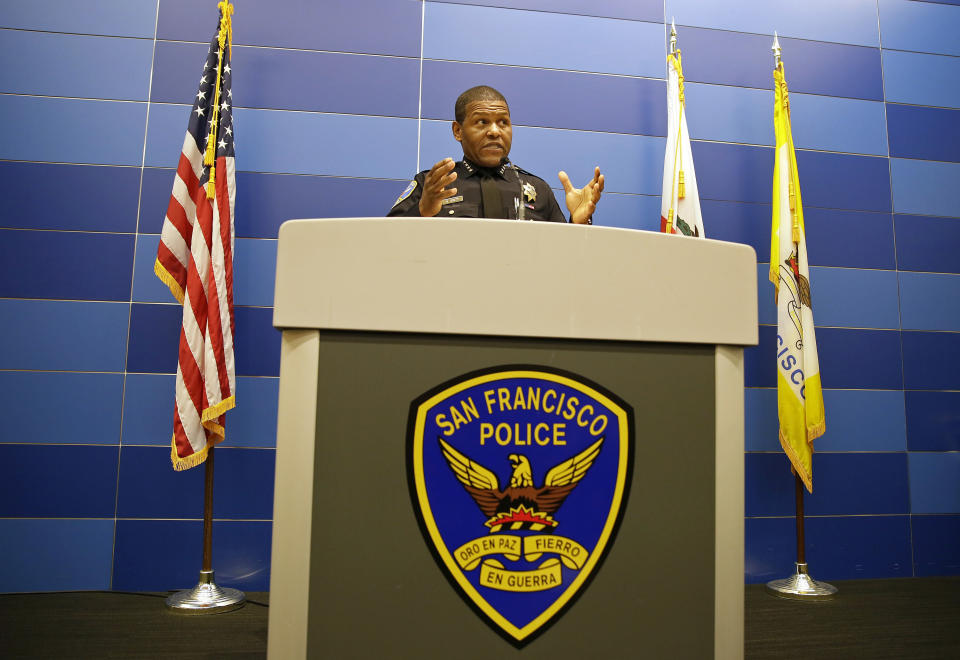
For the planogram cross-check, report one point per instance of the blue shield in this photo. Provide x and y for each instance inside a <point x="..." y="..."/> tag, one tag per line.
<point x="519" y="476"/>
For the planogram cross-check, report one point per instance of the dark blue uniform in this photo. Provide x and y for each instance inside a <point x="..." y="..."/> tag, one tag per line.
<point x="522" y="195"/>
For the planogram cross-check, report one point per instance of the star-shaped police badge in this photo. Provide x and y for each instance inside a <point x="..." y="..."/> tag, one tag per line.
<point x="529" y="192"/>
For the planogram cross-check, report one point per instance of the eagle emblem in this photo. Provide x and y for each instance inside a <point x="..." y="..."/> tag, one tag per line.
<point x="518" y="477"/>
<point x="520" y="505"/>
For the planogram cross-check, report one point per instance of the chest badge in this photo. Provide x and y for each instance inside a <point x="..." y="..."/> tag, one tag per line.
<point x="529" y="192"/>
<point x="519" y="476"/>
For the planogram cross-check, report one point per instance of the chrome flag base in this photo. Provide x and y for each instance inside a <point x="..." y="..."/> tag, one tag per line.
<point x="801" y="587"/>
<point x="206" y="598"/>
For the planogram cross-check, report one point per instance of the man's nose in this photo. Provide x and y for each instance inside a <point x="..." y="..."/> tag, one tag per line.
<point x="493" y="129"/>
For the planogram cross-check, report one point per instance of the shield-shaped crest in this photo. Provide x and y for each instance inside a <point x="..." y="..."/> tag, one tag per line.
<point x="519" y="476"/>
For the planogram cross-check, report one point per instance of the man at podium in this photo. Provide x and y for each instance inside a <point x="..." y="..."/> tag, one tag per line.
<point x="485" y="184"/>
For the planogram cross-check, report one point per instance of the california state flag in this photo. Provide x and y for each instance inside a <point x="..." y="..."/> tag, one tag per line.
<point x="799" y="393"/>
<point x="680" y="203"/>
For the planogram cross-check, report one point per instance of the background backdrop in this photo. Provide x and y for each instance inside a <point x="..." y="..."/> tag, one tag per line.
<point x="339" y="103"/>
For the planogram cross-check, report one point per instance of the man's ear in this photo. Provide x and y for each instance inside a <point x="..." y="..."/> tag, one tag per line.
<point x="457" y="131"/>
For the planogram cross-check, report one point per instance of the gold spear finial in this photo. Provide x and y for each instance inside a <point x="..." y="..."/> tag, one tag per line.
<point x="673" y="37"/>
<point x="776" y="49"/>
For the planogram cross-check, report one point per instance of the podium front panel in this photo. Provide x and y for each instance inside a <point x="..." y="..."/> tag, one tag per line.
<point x="375" y="589"/>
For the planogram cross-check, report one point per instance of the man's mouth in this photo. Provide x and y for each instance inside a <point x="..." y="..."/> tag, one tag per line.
<point x="492" y="145"/>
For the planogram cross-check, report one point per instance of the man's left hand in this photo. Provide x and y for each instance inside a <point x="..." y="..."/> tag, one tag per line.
<point x="582" y="202"/>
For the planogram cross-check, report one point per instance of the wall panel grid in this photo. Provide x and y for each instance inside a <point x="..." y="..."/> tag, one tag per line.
<point x="338" y="105"/>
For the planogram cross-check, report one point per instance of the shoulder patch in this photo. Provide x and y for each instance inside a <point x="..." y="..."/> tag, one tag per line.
<point x="406" y="193"/>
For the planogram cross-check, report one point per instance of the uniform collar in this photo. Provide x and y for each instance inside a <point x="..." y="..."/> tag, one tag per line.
<point x="472" y="168"/>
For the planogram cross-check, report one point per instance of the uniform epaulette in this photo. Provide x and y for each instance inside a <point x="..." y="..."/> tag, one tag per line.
<point x="527" y="173"/>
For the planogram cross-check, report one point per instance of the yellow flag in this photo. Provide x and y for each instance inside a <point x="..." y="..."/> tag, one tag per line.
<point x="799" y="393"/>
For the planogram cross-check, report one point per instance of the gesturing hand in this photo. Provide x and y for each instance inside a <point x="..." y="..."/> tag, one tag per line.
<point x="435" y="188"/>
<point x="582" y="202"/>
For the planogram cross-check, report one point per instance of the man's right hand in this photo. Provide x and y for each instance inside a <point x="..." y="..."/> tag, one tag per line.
<point x="435" y="188"/>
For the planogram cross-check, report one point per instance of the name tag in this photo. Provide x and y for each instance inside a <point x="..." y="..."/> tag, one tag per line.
<point x="452" y="200"/>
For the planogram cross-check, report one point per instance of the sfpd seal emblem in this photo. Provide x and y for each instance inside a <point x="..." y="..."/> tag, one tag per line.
<point x="519" y="476"/>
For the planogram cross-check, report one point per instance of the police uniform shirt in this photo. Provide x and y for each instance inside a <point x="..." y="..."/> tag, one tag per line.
<point x="517" y="187"/>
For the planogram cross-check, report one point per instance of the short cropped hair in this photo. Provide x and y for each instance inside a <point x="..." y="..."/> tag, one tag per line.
<point x="479" y="93"/>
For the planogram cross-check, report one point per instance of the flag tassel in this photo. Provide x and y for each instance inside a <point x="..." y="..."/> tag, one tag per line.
<point x="209" y="159"/>
<point x="794" y="220"/>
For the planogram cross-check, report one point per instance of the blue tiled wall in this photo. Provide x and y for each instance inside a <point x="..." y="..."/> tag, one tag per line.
<point x="337" y="108"/>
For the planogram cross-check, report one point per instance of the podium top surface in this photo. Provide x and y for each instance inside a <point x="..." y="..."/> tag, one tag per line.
<point x="510" y="278"/>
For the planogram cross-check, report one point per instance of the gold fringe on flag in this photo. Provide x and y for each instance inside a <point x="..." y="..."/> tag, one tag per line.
<point x="215" y="411"/>
<point x="169" y="280"/>
<point x="193" y="460"/>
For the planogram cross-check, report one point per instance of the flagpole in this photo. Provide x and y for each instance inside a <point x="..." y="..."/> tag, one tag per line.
<point x="801" y="522"/>
<point x="207" y="597"/>
<point x="207" y="562"/>
<point x="799" y="586"/>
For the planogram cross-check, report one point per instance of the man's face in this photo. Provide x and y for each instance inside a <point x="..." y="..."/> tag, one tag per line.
<point x="486" y="132"/>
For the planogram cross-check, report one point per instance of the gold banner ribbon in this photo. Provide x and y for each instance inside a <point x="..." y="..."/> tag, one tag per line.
<point x="495" y="576"/>
<point x="469" y="554"/>
<point x="572" y="554"/>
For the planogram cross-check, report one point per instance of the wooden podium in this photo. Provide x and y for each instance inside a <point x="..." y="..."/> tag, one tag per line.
<point x="375" y="312"/>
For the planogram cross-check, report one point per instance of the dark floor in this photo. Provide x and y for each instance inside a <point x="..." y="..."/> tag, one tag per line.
<point x="914" y="618"/>
<point x="906" y="619"/>
<point x="126" y="625"/>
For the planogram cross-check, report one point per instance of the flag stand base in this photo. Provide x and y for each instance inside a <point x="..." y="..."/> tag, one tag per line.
<point x="206" y="598"/>
<point x="801" y="586"/>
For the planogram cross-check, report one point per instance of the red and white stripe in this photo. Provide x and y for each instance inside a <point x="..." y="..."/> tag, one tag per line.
<point x="195" y="259"/>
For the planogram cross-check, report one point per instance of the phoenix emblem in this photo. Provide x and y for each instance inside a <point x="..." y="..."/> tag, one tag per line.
<point x="799" y="288"/>
<point x="520" y="505"/>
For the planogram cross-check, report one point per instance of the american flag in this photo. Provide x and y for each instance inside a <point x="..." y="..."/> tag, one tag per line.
<point x="195" y="260"/>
